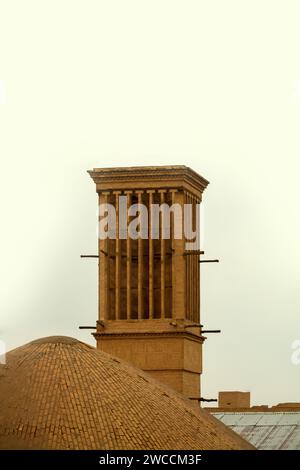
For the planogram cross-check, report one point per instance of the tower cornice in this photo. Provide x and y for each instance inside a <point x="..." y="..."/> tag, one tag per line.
<point x="138" y="177"/>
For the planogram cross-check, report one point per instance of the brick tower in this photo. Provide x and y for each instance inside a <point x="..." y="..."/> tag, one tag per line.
<point x="149" y="288"/>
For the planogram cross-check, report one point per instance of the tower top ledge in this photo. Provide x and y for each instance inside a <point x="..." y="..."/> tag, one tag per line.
<point x="148" y="177"/>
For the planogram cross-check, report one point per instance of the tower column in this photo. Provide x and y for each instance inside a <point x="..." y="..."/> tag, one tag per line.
<point x="179" y="262"/>
<point x="151" y="272"/>
<point x="103" y="286"/>
<point x="128" y="260"/>
<point x="117" y="258"/>
<point x="140" y="263"/>
<point x="149" y="301"/>
<point x="162" y="258"/>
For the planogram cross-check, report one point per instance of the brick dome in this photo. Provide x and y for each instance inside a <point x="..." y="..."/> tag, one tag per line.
<point x="60" y="393"/>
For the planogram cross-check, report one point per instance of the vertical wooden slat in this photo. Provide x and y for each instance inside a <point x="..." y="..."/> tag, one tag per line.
<point x="118" y="258"/>
<point x="151" y="274"/>
<point x="128" y="261"/>
<point x="140" y="266"/>
<point x="103" y="287"/>
<point x="162" y="261"/>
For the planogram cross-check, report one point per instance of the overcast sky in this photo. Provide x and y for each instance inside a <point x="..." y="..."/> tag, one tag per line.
<point x="214" y="85"/>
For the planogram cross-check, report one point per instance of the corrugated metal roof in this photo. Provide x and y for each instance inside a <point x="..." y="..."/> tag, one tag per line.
<point x="278" y="430"/>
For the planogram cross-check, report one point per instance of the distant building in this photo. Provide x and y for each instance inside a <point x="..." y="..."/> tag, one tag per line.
<point x="276" y="427"/>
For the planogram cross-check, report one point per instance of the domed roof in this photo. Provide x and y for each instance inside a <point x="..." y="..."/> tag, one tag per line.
<point x="59" y="393"/>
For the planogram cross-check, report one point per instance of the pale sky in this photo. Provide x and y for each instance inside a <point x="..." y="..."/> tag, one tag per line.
<point x="214" y="85"/>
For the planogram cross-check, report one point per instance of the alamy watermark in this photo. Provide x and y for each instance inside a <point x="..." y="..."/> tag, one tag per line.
<point x="156" y="221"/>
<point x="295" y="356"/>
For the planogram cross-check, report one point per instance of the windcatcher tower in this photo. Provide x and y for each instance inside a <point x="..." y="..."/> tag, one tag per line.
<point x="149" y="289"/>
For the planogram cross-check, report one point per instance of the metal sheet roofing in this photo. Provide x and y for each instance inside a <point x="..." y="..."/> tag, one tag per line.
<point x="278" y="430"/>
